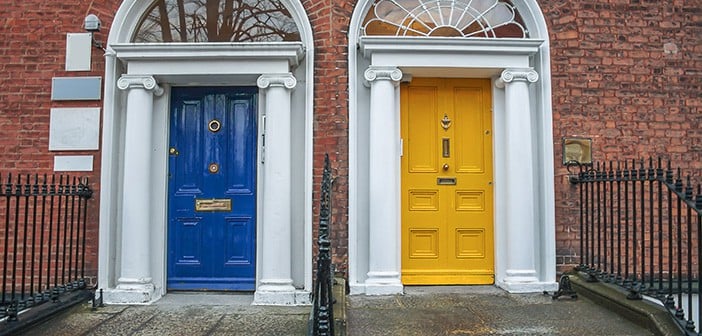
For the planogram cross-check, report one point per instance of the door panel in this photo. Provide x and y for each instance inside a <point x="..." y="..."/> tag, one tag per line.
<point x="212" y="160"/>
<point x="422" y="151"/>
<point x="447" y="216"/>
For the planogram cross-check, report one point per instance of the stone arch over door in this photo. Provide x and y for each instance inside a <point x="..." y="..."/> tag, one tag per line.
<point x="133" y="209"/>
<point x="519" y="68"/>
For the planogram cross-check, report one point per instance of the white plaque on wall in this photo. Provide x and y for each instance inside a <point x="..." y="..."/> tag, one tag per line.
<point x="73" y="163"/>
<point x="74" y="129"/>
<point x="78" y="51"/>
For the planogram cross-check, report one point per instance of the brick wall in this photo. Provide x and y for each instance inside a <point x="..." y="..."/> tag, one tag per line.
<point x="330" y="21"/>
<point x="32" y="52"/>
<point x="628" y="74"/>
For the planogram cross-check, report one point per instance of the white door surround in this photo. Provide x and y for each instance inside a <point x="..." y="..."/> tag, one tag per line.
<point x="523" y="150"/>
<point x="133" y="206"/>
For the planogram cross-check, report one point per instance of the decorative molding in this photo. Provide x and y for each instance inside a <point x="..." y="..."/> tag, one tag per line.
<point x="148" y="83"/>
<point x="291" y="52"/>
<point x="511" y="75"/>
<point x="374" y="73"/>
<point x="464" y="19"/>
<point x="285" y="80"/>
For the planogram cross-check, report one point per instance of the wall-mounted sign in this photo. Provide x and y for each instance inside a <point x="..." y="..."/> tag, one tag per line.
<point x="577" y="150"/>
<point x="76" y="88"/>
<point x="74" y="129"/>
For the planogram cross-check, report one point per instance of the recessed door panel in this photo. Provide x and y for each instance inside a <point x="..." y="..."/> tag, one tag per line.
<point x="447" y="216"/>
<point x="212" y="183"/>
<point x="422" y="150"/>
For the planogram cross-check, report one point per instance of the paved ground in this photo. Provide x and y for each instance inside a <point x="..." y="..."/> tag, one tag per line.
<point x="181" y="314"/>
<point x="482" y="310"/>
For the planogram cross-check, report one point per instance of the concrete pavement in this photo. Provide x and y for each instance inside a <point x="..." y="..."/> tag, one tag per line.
<point x="186" y="314"/>
<point x="473" y="310"/>
<point x="481" y="310"/>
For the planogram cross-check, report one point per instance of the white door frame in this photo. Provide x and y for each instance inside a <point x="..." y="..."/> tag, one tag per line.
<point x="154" y="68"/>
<point x="450" y="57"/>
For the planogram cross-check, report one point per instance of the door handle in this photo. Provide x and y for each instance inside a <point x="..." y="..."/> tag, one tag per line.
<point x="173" y="151"/>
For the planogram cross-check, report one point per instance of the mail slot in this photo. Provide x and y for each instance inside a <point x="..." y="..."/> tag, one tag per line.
<point x="214" y="204"/>
<point x="446" y="180"/>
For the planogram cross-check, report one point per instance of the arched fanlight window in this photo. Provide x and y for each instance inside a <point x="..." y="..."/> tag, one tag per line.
<point x="217" y="21"/>
<point x="447" y="18"/>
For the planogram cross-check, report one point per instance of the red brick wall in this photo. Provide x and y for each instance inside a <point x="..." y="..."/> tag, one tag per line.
<point x="330" y="21"/>
<point x="628" y="74"/>
<point x="32" y="52"/>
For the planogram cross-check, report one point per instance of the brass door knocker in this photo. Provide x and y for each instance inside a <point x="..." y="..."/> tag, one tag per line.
<point x="214" y="126"/>
<point x="446" y="122"/>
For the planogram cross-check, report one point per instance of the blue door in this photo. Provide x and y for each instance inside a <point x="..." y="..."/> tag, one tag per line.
<point x="212" y="189"/>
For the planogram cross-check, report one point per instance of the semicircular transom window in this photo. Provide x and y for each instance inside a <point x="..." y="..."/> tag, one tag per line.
<point x="217" y="21"/>
<point x="444" y="18"/>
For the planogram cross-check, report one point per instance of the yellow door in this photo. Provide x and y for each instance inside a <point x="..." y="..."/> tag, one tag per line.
<point x="447" y="195"/>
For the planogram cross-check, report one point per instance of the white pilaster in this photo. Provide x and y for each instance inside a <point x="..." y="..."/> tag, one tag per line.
<point x="384" y="189"/>
<point x="134" y="284"/>
<point x="276" y="284"/>
<point x="520" y="274"/>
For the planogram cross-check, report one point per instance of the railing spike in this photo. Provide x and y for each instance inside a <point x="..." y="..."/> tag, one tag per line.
<point x="678" y="182"/>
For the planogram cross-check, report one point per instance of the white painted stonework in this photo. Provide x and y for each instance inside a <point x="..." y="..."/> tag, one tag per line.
<point x="523" y="150"/>
<point x="134" y="189"/>
<point x="383" y="270"/>
<point x="276" y="284"/>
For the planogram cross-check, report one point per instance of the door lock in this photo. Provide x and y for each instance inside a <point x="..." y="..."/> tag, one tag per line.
<point x="173" y="151"/>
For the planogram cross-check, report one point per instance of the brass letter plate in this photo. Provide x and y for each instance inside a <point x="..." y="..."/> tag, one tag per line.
<point x="446" y="180"/>
<point x="215" y="204"/>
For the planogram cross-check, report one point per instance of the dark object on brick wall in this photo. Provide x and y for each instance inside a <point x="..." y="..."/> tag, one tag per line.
<point x="42" y="247"/>
<point x="640" y="228"/>
<point x="323" y="297"/>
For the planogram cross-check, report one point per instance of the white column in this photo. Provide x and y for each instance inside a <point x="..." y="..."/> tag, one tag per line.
<point x="520" y="274"/>
<point x="134" y="284"/>
<point x="384" y="189"/>
<point x="276" y="285"/>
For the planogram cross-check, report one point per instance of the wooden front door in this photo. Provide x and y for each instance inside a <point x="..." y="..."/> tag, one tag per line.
<point x="447" y="194"/>
<point x="212" y="189"/>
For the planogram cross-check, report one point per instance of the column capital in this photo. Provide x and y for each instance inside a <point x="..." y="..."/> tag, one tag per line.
<point x="374" y="73"/>
<point x="148" y="83"/>
<point x="286" y="80"/>
<point x="512" y="75"/>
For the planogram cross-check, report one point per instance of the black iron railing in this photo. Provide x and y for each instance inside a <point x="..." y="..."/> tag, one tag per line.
<point x="323" y="297"/>
<point x="42" y="239"/>
<point x="640" y="225"/>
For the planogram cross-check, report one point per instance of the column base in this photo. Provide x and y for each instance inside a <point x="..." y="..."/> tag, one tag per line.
<point x="279" y="292"/>
<point x="384" y="283"/>
<point x="282" y="298"/>
<point x="525" y="281"/>
<point x="131" y="293"/>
